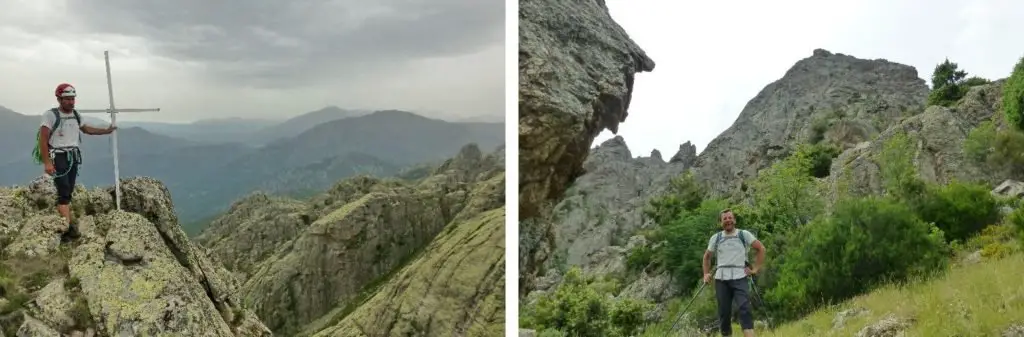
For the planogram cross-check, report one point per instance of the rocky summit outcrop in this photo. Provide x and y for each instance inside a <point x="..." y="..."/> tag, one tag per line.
<point x="576" y="70"/>
<point x="937" y="139"/>
<point x="605" y="206"/>
<point x="829" y="97"/>
<point x="133" y="272"/>
<point x="376" y="257"/>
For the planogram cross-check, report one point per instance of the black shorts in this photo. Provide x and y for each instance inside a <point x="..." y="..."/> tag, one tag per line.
<point x="66" y="174"/>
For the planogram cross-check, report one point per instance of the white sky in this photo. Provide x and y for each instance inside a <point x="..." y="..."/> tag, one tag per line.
<point x="713" y="56"/>
<point x="257" y="58"/>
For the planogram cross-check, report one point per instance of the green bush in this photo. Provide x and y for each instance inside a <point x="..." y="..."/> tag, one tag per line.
<point x="786" y="195"/>
<point x="947" y="84"/>
<point x="899" y="175"/>
<point x="864" y="243"/>
<point x="980" y="142"/>
<point x="960" y="210"/>
<point x="639" y="258"/>
<point x="1016" y="220"/>
<point x="684" y="193"/>
<point x="686" y="239"/>
<point x="1002" y="149"/>
<point x="991" y="235"/>
<point x="1013" y="96"/>
<point x="819" y="157"/>
<point x="583" y="306"/>
<point x="974" y="81"/>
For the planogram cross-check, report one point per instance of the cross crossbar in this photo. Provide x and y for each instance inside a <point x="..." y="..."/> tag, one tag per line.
<point x="113" y="122"/>
<point x="116" y="111"/>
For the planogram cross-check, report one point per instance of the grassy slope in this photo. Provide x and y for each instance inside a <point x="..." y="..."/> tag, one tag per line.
<point x="982" y="299"/>
<point x="977" y="300"/>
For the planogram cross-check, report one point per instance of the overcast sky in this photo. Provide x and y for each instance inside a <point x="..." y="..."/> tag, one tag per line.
<point x="257" y="58"/>
<point x="714" y="56"/>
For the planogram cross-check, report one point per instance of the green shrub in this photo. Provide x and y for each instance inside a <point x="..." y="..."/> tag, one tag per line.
<point x="582" y="306"/>
<point x="819" y="158"/>
<point x="899" y="175"/>
<point x="974" y="81"/>
<point x="960" y="210"/>
<point x="947" y="84"/>
<point x="1016" y="220"/>
<point x="993" y="234"/>
<point x="627" y="315"/>
<point x="864" y="243"/>
<point x="785" y="195"/>
<point x="686" y="239"/>
<point x="1002" y="150"/>
<point x="980" y="142"/>
<point x="1013" y="96"/>
<point x="684" y="193"/>
<point x="639" y="258"/>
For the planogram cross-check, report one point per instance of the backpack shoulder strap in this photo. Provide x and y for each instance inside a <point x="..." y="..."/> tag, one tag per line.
<point x="743" y="238"/>
<point x="56" y="120"/>
<point x="78" y="117"/>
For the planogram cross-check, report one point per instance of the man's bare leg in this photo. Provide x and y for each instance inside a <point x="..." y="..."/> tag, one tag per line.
<point x="748" y="333"/>
<point x="65" y="211"/>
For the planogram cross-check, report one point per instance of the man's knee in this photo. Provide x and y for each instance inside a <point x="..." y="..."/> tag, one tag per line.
<point x="64" y="192"/>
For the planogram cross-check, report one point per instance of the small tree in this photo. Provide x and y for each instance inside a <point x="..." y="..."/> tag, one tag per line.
<point x="1013" y="96"/>
<point x="947" y="84"/>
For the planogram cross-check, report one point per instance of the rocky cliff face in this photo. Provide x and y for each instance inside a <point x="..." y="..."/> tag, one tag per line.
<point x="594" y="222"/>
<point x="354" y="260"/>
<point x="937" y="136"/>
<point x="132" y="273"/>
<point x="605" y="205"/>
<point x="832" y="97"/>
<point x="576" y="70"/>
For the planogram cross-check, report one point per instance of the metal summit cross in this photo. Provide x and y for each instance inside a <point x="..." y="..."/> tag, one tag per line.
<point x="113" y="122"/>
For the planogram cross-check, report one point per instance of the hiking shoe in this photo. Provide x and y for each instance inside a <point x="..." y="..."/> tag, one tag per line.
<point x="71" y="234"/>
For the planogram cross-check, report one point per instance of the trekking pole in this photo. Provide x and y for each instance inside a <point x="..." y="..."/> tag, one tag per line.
<point x="760" y="300"/>
<point x="681" y="313"/>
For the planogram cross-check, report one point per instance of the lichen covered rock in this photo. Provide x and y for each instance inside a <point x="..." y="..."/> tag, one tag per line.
<point x="344" y="247"/>
<point x="133" y="272"/>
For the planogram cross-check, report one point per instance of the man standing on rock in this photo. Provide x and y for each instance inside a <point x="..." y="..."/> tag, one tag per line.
<point x="60" y="136"/>
<point x="730" y="247"/>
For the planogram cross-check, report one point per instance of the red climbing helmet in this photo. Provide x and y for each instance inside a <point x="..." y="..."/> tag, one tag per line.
<point x="65" y="90"/>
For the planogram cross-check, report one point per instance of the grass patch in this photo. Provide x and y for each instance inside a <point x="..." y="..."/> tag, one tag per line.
<point x="980" y="300"/>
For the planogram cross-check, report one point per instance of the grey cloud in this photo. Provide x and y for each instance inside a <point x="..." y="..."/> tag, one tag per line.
<point x="283" y="43"/>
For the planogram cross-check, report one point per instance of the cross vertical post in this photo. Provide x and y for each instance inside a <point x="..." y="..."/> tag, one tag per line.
<point x="113" y="122"/>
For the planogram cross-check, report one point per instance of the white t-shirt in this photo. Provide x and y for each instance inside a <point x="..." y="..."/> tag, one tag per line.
<point x="68" y="134"/>
<point x="731" y="253"/>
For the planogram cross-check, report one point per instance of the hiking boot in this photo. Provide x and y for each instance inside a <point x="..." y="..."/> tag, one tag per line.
<point x="71" y="234"/>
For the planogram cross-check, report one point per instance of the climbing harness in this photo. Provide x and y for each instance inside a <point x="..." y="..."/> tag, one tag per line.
<point x="74" y="157"/>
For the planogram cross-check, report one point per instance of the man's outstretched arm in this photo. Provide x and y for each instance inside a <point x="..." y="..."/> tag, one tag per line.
<point x="97" y="131"/>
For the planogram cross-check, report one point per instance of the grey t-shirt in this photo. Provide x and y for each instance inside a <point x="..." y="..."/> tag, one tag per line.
<point x="68" y="134"/>
<point x="730" y="253"/>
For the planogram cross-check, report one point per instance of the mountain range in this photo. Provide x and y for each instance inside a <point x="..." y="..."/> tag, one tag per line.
<point x="208" y="164"/>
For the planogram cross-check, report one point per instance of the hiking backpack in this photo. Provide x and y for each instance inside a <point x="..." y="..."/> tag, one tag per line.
<point x="38" y="157"/>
